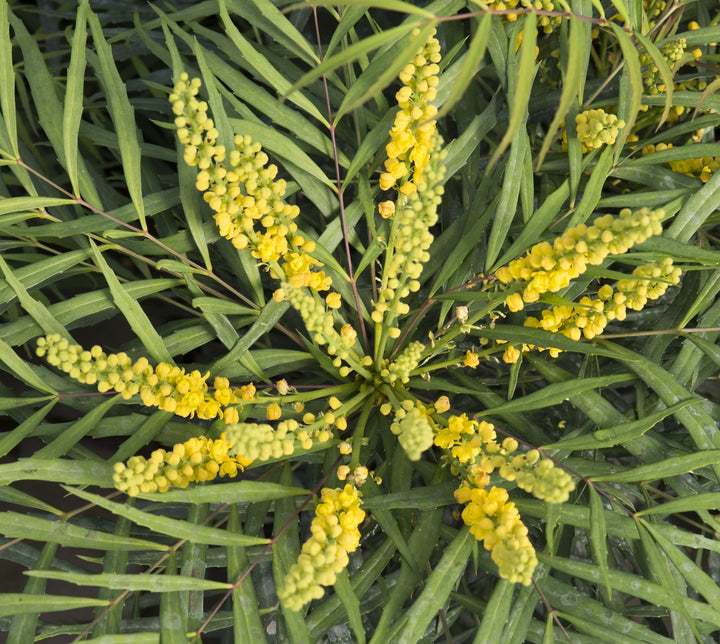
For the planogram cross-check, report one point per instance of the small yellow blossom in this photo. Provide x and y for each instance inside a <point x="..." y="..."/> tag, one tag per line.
<point x="273" y="411"/>
<point x="471" y="359"/>
<point x="247" y="392"/>
<point x="442" y="404"/>
<point x="333" y="300"/>
<point x="386" y="209"/>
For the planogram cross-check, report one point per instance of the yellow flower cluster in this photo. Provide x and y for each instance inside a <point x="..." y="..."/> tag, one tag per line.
<point x="401" y="368"/>
<point x="589" y="317"/>
<point x="413" y="155"/>
<point x="496" y="522"/>
<point x="413" y="133"/>
<point x="334" y="534"/>
<point x="244" y="193"/>
<point x="475" y="447"/>
<point x="596" y="128"/>
<point x="550" y="268"/>
<point x="195" y="460"/>
<point x="414" y="428"/>
<point x="164" y="386"/>
<point x="701" y="167"/>
<point x="493" y="519"/>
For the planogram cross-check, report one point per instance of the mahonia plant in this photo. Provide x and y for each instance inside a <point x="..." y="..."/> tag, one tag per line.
<point x="247" y="198"/>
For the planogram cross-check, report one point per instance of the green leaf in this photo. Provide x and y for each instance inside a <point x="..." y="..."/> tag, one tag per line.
<point x="57" y="470"/>
<point x="555" y="394"/>
<point x="269" y="316"/>
<point x="473" y="57"/>
<point x="13" y="438"/>
<point x="633" y="585"/>
<point x="507" y="205"/>
<point x="172" y="527"/>
<point x="247" y="622"/>
<point x="136" y="582"/>
<point x="133" y="312"/>
<point x="173" y="615"/>
<point x="21" y="369"/>
<point x="263" y="69"/>
<point x="629" y="106"/>
<point x="70" y="437"/>
<point x="352" y="605"/>
<point x="35" y="308"/>
<point x="598" y="536"/>
<point x="621" y="433"/>
<point x="20" y="603"/>
<point x="573" y="79"/>
<point x="232" y="492"/>
<point x="665" y="73"/>
<point x="14" y="524"/>
<point x="73" y="106"/>
<point x="46" y="103"/>
<point x="438" y="587"/>
<point x="7" y="84"/>
<point x="496" y="612"/>
<point x="696" y="210"/>
<point x="123" y="116"/>
<point x="522" y="86"/>
<point x="665" y="469"/>
<point x="29" y="203"/>
<point x="384" y="68"/>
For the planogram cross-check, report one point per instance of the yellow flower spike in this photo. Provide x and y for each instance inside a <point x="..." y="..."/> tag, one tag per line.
<point x="198" y="459"/>
<point x="166" y="386"/>
<point x="334" y="534"/>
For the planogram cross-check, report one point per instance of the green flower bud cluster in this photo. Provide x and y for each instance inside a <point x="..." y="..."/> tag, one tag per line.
<point x="334" y="534"/>
<point x="672" y="52"/>
<point x="651" y="282"/>
<point x="411" y="239"/>
<point x="495" y="521"/>
<point x="404" y="364"/>
<point x="321" y="324"/>
<point x="165" y="386"/>
<point x="413" y="135"/>
<point x="544" y="481"/>
<point x="550" y="268"/>
<point x="260" y="442"/>
<point x="596" y="128"/>
<point x="195" y="460"/>
<point x="415" y="429"/>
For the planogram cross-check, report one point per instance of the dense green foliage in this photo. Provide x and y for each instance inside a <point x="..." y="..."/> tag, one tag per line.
<point x="552" y="116"/>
